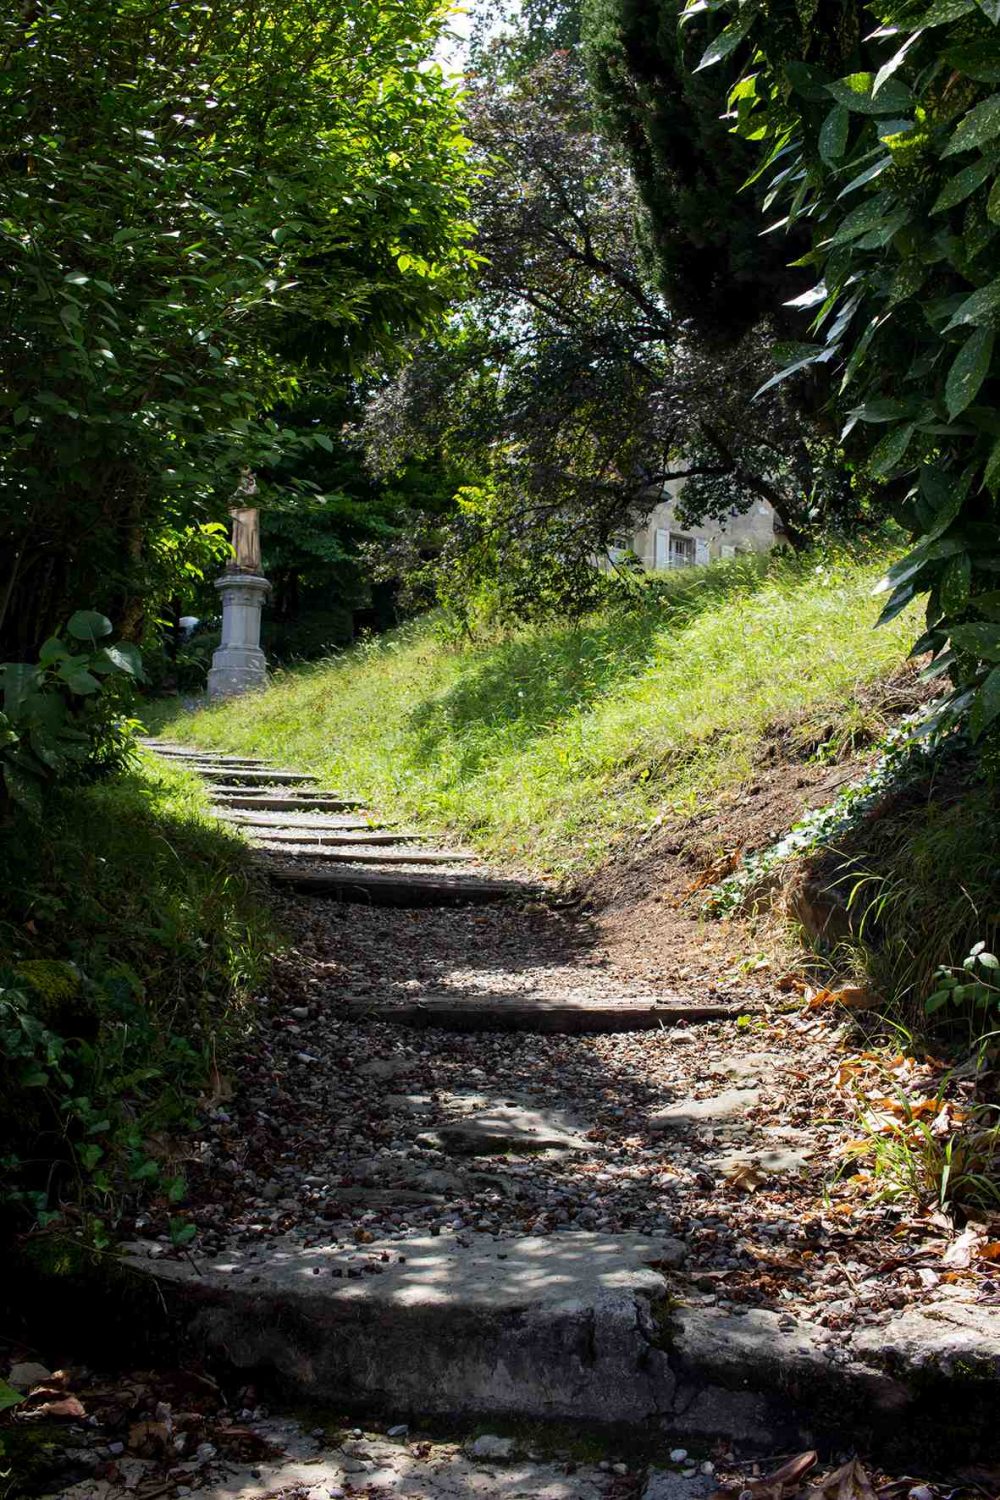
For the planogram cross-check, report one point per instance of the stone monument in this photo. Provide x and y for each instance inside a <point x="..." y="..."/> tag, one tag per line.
<point x="239" y="663"/>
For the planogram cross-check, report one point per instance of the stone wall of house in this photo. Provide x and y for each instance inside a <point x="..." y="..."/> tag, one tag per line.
<point x="663" y="542"/>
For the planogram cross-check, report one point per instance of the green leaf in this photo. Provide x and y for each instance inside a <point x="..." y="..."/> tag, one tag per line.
<point x="980" y="125"/>
<point x="968" y="371"/>
<point x="982" y="639"/>
<point x="962" y="184"/>
<point x="88" y="625"/>
<point x="991" y="476"/>
<point x="833" y="134"/>
<point x="82" y="682"/>
<point x="125" y="657"/>
<point x="322" y="441"/>
<point x="986" y="707"/>
<point x="955" y="583"/>
<point x="9" y="1397"/>
<point x="727" y="41"/>
<point x="890" y="451"/>
<point x="979" y="307"/>
<point x="856" y="94"/>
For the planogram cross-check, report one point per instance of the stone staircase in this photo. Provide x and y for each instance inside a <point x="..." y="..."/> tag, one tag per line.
<point x="320" y="843"/>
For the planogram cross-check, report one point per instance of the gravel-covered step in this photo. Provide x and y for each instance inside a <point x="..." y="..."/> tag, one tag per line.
<point x="375" y="888"/>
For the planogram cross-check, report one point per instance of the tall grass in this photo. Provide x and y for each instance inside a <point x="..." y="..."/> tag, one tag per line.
<point x="544" y="744"/>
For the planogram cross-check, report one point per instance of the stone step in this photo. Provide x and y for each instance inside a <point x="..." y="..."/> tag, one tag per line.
<point x="306" y="802"/>
<point x="598" y="1329"/>
<point x="253" y="776"/>
<point x="540" y="1014"/>
<point x="365" y="854"/>
<point x="373" y="888"/>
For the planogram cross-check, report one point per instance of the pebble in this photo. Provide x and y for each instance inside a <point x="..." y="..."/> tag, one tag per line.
<point x="678" y="1455"/>
<point x="491" y="1446"/>
<point x="26" y="1373"/>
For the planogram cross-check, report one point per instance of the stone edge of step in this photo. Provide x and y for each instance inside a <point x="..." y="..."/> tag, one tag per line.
<point x="621" y="1347"/>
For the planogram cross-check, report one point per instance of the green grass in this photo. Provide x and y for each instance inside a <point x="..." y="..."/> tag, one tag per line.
<point x="544" y="745"/>
<point x="131" y="931"/>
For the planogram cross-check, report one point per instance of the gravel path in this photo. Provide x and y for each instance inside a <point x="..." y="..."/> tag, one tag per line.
<point x="339" y="1127"/>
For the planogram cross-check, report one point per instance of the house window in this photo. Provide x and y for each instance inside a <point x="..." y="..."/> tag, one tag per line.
<point x="682" y="551"/>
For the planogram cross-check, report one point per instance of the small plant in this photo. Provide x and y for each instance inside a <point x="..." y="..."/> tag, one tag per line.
<point x="968" y="988"/>
<point x="58" y="717"/>
<point x="923" y="1135"/>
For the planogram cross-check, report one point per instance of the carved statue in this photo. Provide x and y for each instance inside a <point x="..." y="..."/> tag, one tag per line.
<point x="246" y="529"/>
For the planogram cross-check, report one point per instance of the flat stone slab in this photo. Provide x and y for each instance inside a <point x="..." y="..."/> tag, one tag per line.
<point x="664" y="1484"/>
<point x="552" y="1325"/>
<point x="476" y="1011"/>
<point x="343" y="837"/>
<point x="504" y="1128"/>
<point x="721" y="1108"/>
<point x="325" y="823"/>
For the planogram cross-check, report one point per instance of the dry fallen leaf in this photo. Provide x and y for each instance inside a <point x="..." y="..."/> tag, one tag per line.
<point x="65" y="1409"/>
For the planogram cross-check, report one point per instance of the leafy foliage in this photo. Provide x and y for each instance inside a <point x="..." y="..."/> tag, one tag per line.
<point x="131" y="932"/>
<point x="62" y="718"/>
<point x="197" y="204"/>
<point x="879" y="125"/>
<point x="568" y="390"/>
<point x="703" y="236"/>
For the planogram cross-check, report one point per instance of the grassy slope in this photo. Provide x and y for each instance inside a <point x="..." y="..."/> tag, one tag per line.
<point x="544" y="744"/>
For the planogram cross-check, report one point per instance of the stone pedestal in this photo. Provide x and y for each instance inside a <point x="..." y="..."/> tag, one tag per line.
<point x="239" y="664"/>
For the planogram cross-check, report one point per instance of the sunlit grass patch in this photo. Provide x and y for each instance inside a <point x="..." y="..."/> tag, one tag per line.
<point x="544" y="744"/>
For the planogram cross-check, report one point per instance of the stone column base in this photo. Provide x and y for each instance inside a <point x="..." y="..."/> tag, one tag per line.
<point x="236" y="669"/>
<point x="239" y="664"/>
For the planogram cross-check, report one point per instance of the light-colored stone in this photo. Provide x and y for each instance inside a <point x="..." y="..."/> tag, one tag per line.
<point x="663" y="1484"/>
<point x="491" y="1446"/>
<point x="559" y="1326"/>
<point x="721" y="1108"/>
<point x="27" y="1373"/>
<point x="505" y="1127"/>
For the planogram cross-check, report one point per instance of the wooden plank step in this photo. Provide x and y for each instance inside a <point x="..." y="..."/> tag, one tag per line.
<point x="338" y="836"/>
<point x="208" y="757"/>
<point x="331" y="822"/>
<point x="252" y="776"/>
<point x="374" y="888"/>
<point x="366" y="854"/>
<point x="307" y="802"/>
<point x="563" y="1017"/>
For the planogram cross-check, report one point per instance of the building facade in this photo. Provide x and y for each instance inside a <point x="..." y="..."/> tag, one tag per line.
<point x="662" y="541"/>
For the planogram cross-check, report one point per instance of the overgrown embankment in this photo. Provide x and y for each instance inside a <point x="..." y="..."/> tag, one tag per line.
<point x="545" y="745"/>
<point x="130" y="930"/>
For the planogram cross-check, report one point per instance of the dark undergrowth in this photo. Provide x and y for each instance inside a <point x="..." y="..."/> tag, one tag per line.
<point x="913" y="887"/>
<point x="131" y="932"/>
